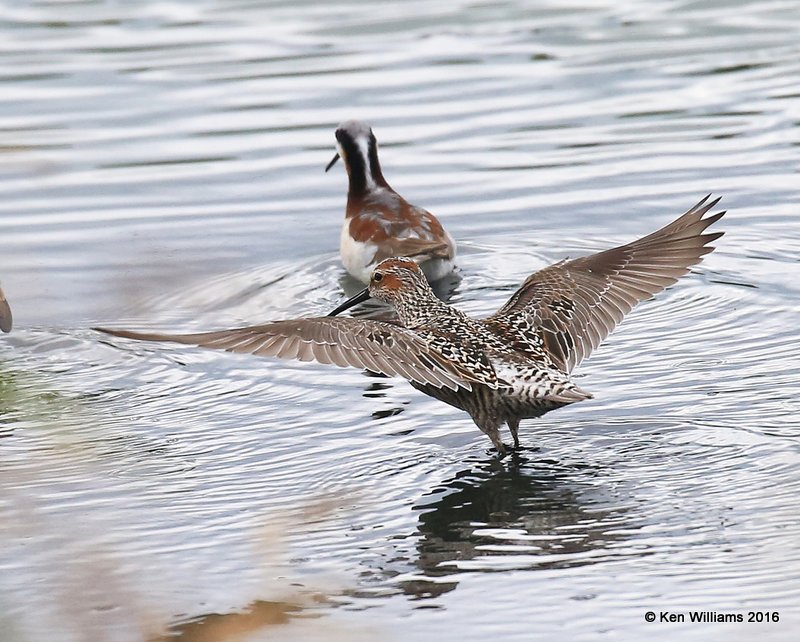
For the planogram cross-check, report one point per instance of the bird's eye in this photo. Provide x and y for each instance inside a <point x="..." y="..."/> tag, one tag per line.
<point x="377" y="277"/>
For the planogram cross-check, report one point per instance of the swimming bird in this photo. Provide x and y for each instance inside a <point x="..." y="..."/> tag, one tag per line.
<point x="379" y="223"/>
<point x="512" y="365"/>
<point x="5" y="313"/>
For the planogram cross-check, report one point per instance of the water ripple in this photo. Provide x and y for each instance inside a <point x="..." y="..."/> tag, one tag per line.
<point x="162" y="167"/>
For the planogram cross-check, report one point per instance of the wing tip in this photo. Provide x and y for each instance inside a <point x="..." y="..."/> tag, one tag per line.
<point x="572" y="395"/>
<point x="710" y="220"/>
<point x="187" y="339"/>
<point x="117" y="332"/>
<point x="705" y="204"/>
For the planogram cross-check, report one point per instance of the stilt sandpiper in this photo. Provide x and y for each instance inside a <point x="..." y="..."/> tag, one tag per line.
<point x="513" y="365"/>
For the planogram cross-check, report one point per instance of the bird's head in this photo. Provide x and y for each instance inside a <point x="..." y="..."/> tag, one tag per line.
<point x="398" y="281"/>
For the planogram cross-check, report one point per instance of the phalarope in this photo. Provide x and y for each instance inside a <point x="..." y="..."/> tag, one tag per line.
<point x="5" y="313"/>
<point x="379" y="223"/>
<point x="513" y="365"/>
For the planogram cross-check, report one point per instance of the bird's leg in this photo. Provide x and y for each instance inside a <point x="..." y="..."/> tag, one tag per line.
<point x="491" y="428"/>
<point x="513" y="426"/>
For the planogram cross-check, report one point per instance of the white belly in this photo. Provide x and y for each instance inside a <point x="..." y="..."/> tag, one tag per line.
<point x="356" y="257"/>
<point x="359" y="258"/>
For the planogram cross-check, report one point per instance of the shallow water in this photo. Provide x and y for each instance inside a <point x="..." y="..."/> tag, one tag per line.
<point x="161" y="167"/>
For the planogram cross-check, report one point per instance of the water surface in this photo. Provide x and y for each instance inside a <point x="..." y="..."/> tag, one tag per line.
<point x="161" y="166"/>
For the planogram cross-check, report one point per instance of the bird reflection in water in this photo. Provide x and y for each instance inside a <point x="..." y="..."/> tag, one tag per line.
<point x="527" y="514"/>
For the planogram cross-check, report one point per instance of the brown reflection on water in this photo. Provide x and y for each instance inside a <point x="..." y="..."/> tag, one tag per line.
<point x="90" y="585"/>
<point x="229" y="627"/>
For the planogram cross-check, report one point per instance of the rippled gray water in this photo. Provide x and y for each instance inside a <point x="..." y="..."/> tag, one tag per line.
<point x="161" y="166"/>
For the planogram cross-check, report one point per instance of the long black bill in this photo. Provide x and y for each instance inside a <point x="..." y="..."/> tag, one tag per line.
<point x="353" y="300"/>
<point x="333" y="162"/>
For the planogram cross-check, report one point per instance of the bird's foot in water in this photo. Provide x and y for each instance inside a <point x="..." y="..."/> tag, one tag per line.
<point x="504" y="449"/>
<point x="514" y="451"/>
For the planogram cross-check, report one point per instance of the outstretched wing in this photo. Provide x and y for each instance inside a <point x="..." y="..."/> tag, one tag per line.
<point x="574" y="305"/>
<point x="343" y="341"/>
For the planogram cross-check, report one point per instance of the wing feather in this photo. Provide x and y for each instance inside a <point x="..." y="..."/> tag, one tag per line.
<point x="343" y="341"/>
<point x="575" y="304"/>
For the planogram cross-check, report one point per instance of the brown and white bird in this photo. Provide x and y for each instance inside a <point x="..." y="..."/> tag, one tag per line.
<point x="513" y="365"/>
<point x="379" y="223"/>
